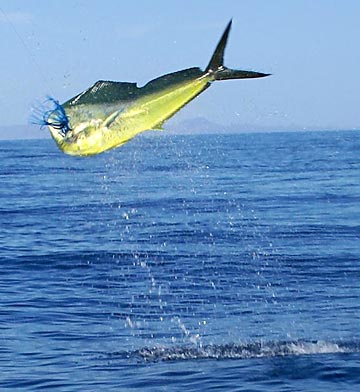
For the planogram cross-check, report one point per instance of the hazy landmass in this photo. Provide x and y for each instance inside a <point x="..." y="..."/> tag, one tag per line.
<point x="198" y="125"/>
<point x="202" y="125"/>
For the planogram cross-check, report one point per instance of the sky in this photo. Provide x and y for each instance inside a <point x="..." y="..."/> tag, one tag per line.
<point x="311" y="48"/>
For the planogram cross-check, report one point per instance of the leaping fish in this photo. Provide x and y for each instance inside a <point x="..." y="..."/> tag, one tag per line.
<point x="109" y="114"/>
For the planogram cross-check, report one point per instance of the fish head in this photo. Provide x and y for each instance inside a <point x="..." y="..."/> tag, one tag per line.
<point x="76" y="132"/>
<point x="85" y="138"/>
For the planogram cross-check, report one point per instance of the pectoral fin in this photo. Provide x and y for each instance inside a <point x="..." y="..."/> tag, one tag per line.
<point x="110" y="119"/>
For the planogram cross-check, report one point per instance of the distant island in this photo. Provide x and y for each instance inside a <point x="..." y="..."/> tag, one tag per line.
<point x="197" y="125"/>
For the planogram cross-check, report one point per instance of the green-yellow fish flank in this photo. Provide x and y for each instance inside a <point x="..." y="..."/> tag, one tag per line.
<point x="109" y="114"/>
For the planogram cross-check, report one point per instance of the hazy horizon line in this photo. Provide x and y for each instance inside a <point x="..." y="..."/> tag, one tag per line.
<point x="172" y="132"/>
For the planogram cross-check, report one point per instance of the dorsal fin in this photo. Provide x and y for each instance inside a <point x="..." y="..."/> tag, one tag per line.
<point x="108" y="92"/>
<point x="171" y="79"/>
<point x="105" y="92"/>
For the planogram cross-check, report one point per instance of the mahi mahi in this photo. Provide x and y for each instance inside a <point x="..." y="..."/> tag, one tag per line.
<point x="109" y="114"/>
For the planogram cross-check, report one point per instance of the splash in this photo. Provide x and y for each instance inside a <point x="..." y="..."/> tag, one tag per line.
<point x="244" y="351"/>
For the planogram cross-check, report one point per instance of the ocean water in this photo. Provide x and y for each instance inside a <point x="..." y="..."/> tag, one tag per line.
<point x="182" y="263"/>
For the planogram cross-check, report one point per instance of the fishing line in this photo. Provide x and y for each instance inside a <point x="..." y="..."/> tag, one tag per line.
<point x="44" y="80"/>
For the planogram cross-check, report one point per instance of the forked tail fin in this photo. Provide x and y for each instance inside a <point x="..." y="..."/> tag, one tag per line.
<point x="216" y="65"/>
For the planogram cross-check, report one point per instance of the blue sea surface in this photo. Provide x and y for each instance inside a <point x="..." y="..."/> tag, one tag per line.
<point x="182" y="263"/>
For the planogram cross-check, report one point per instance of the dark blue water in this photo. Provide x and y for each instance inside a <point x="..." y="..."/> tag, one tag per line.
<point x="182" y="263"/>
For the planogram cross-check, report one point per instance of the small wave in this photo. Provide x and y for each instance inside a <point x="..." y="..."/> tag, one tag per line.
<point x="243" y="351"/>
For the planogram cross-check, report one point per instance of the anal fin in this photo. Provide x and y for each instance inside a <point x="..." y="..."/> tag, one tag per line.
<point x="158" y="126"/>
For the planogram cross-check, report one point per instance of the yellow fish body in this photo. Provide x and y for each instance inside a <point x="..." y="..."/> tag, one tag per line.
<point x="109" y="114"/>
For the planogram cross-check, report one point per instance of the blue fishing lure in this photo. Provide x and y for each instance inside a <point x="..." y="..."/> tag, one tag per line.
<point x="51" y="113"/>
